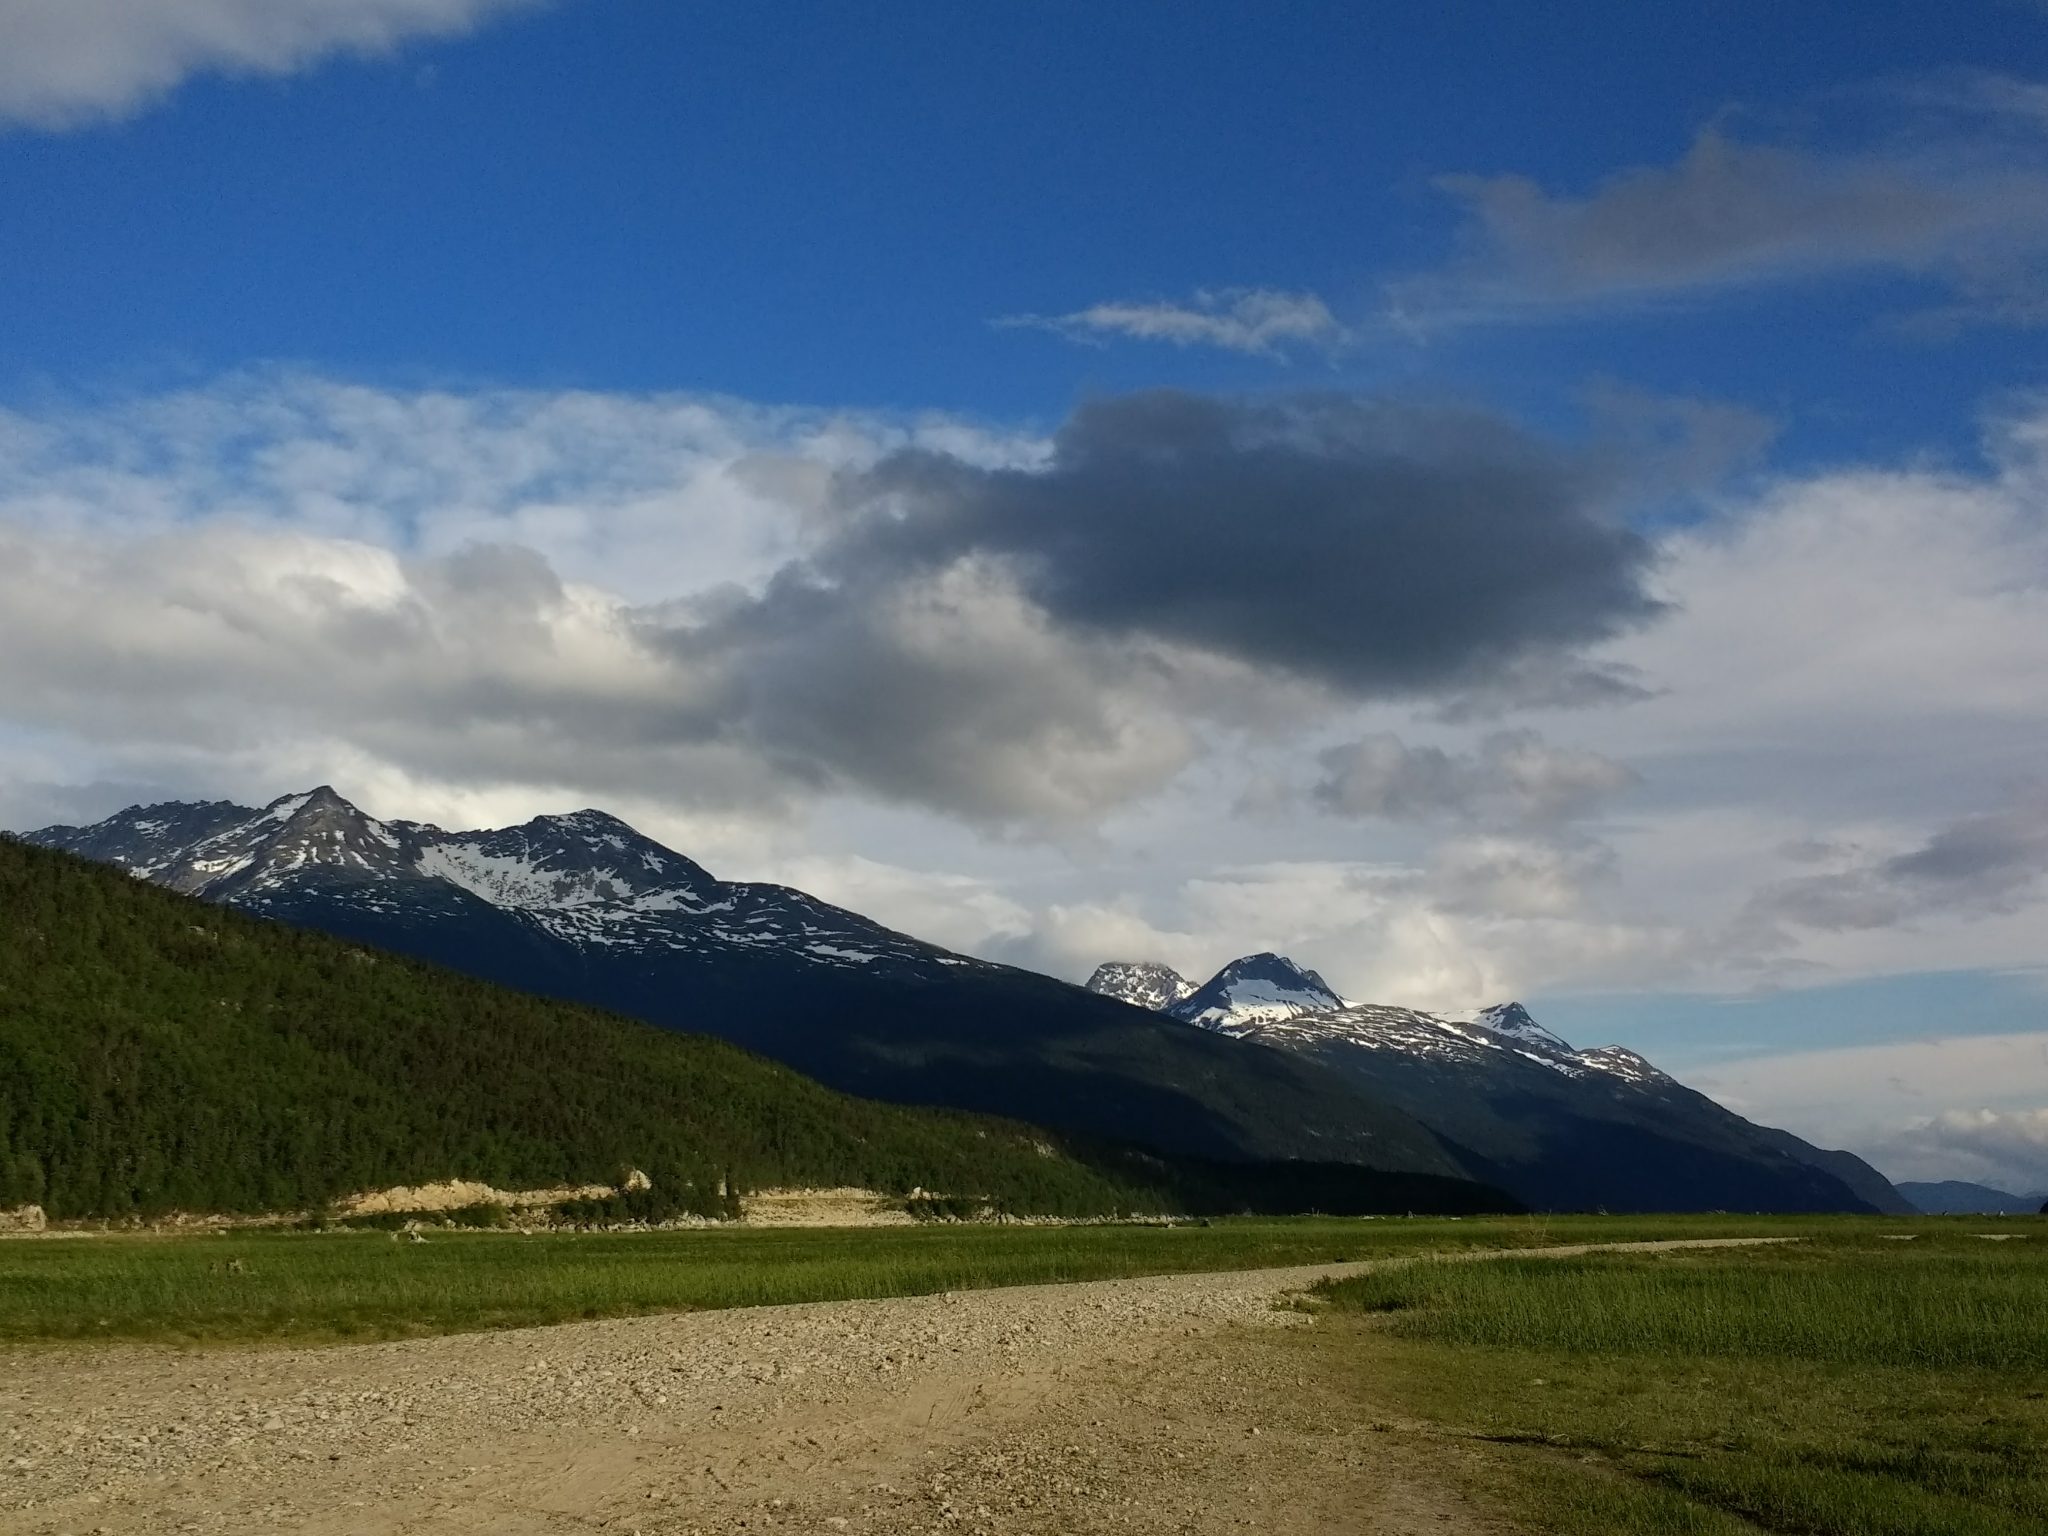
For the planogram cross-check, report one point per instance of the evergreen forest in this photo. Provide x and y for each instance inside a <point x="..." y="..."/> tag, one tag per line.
<point x="161" y="1055"/>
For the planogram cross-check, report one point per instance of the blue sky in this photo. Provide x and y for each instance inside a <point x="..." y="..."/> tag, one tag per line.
<point x="829" y="204"/>
<point x="1599" y="553"/>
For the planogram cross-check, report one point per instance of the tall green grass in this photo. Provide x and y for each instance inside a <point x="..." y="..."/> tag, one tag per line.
<point x="1847" y="1386"/>
<point x="1980" y="1305"/>
<point x="310" y="1286"/>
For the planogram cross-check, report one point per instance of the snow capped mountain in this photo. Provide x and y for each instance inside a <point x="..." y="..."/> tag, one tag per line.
<point x="1269" y="998"/>
<point x="1259" y="989"/>
<point x="1559" y="1127"/>
<point x="585" y="878"/>
<point x="558" y="863"/>
<point x="1512" y="1020"/>
<point x="1375" y="1027"/>
<point x="1142" y="984"/>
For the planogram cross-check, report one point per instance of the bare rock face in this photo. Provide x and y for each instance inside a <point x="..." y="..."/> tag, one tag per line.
<point x="457" y="1194"/>
<point x="24" y="1218"/>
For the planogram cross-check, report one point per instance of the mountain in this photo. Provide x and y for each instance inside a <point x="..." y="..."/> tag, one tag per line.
<point x="1144" y="984"/>
<point x="582" y="908"/>
<point x="1955" y="1197"/>
<point x="1259" y="989"/>
<point x="1557" y="1127"/>
<point x="158" y="1055"/>
<point x="1513" y="1021"/>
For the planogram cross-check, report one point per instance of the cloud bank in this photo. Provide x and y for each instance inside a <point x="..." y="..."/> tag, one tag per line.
<point x="1044" y="672"/>
<point x="68" y="62"/>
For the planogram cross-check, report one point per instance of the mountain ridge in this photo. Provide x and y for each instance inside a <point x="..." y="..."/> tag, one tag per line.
<point x="583" y="908"/>
<point x="1557" y="1126"/>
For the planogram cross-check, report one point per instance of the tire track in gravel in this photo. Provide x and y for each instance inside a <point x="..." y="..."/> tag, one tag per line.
<point x="1143" y="1405"/>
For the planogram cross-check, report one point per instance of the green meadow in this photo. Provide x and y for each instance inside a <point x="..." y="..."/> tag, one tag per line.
<point x="312" y="1286"/>
<point x="1852" y="1383"/>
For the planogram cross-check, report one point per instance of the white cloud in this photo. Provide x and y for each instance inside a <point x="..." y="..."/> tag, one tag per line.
<point x="66" y="62"/>
<point x="1488" y="919"/>
<point x="959" y="911"/>
<point x="1730" y="214"/>
<point x="2007" y="1149"/>
<point x="1966" y="1107"/>
<point x="1262" y="322"/>
<point x="471" y="606"/>
<point x="509" y="588"/>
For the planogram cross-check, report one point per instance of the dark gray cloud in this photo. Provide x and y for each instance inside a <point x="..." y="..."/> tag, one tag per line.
<point x="1514" y="778"/>
<point x="1730" y="213"/>
<point x="1986" y="863"/>
<point x="1374" y="548"/>
<point x="942" y="688"/>
<point x="1048" y="641"/>
<point x="1982" y="861"/>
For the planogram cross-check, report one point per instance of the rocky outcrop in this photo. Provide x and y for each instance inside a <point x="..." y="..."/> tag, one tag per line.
<point x="459" y="1194"/>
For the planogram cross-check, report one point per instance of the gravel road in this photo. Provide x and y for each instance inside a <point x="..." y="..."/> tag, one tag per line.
<point x="1171" y="1404"/>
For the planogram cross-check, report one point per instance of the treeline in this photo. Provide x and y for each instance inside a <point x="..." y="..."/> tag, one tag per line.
<point x="160" y="1055"/>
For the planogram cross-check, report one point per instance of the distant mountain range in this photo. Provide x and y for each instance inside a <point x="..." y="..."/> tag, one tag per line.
<point x="1555" y="1126"/>
<point x="1955" y="1197"/>
<point x="160" y="1056"/>
<point x="583" y="908"/>
<point x="1276" y="1066"/>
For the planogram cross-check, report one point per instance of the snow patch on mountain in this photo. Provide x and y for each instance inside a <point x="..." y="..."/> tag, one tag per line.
<point x="1512" y="1020"/>
<point x="585" y="877"/>
<point x="1269" y="998"/>
<point x="1619" y="1061"/>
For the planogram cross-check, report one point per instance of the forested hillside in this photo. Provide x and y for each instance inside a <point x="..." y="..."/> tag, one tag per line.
<point x="159" y="1054"/>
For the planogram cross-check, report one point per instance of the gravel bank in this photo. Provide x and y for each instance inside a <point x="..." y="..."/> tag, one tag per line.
<point x="690" y="1423"/>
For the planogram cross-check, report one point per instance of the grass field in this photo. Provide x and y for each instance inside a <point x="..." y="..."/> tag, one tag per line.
<point x="336" y="1285"/>
<point x="1854" y="1384"/>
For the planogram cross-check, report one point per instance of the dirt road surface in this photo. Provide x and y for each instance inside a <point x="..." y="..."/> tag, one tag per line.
<point x="1188" y="1403"/>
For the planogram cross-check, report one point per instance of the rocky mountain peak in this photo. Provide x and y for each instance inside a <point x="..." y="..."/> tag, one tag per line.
<point x="1513" y="1020"/>
<point x="1256" y="989"/>
<point x="1141" y="983"/>
<point x="569" y="860"/>
<point x="584" y="879"/>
